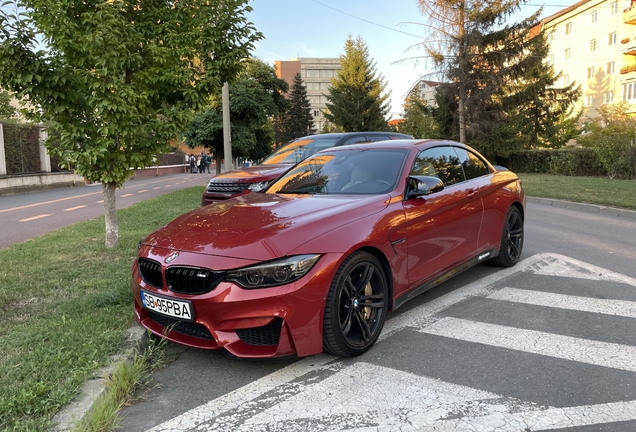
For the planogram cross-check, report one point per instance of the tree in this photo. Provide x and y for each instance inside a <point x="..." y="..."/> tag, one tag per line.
<point x="418" y="120"/>
<point x="297" y="121"/>
<point x="537" y="112"/>
<point x="357" y="101"/>
<point x="117" y="78"/>
<point x="611" y="135"/>
<point x="7" y="111"/>
<point x="470" y="43"/>
<point x="255" y="98"/>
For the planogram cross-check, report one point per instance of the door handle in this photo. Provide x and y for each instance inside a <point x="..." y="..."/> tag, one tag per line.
<point x="472" y="193"/>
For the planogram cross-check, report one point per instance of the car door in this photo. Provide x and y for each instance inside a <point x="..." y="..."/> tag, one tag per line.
<point x="443" y="227"/>
<point x="489" y="187"/>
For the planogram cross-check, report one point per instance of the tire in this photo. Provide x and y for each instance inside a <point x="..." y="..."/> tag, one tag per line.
<point x="511" y="240"/>
<point x="356" y="306"/>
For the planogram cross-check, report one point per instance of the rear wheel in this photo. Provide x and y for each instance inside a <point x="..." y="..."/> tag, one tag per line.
<point x="356" y="306"/>
<point x="511" y="239"/>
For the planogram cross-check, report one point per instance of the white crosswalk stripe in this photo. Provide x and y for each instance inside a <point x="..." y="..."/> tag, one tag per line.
<point x="583" y="304"/>
<point x="598" y="353"/>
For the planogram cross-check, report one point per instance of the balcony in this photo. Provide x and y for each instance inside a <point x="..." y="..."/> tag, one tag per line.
<point x="628" y="67"/>
<point x="629" y="15"/>
<point x="629" y="48"/>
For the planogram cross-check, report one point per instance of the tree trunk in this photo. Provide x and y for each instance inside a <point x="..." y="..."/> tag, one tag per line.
<point x="110" y="214"/>
<point x="219" y="159"/>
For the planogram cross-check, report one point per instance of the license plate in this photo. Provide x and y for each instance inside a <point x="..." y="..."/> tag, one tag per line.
<point x="178" y="309"/>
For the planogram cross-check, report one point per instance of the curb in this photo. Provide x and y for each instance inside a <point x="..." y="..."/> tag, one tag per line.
<point x="65" y="420"/>
<point x="591" y="208"/>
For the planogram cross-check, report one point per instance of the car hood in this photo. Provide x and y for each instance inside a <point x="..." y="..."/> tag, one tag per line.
<point x="262" y="226"/>
<point x="252" y="174"/>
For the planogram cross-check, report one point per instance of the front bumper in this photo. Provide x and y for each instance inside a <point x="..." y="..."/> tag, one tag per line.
<point x="256" y="323"/>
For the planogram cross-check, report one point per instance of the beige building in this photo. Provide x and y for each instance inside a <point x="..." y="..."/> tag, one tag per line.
<point x="426" y="90"/>
<point x="593" y="43"/>
<point x="316" y="74"/>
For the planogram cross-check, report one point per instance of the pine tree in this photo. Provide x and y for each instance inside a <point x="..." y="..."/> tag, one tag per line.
<point x="297" y="121"/>
<point x="357" y="101"/>
<point x="418" y="120"/>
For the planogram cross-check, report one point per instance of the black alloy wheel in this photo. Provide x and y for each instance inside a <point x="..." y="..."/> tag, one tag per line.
<point x="356" y="306"/>
<point x="511" y="239"/>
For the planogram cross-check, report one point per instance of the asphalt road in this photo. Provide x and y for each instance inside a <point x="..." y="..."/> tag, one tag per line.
<point x="549" y="344"/>
<point x="28" y="215"/>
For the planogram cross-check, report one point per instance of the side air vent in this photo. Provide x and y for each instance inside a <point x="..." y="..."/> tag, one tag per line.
<point x="267" y="335"/>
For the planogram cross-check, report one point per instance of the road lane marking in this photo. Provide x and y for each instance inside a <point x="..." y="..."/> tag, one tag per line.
<point x="155" y="188"/>
<point x="99" y="202"/>
<point x="142" y="191"/>
<point x="75" y="208"/>
<point x="125" y="195"/>
<point x="48" y="202"/>
<point x="562" y="301"/>
<point x="588" y="351"/>
<point x="328" y="397"/>
<point x="34" y="218"/>
<point x="329" y="392"/>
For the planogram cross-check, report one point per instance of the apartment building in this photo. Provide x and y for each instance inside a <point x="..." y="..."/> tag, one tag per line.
<point x="426" y="89"/>
<point x="316" y="74"/>
<point x="593" y="43"/>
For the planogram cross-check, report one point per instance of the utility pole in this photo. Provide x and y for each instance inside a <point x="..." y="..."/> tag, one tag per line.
<point x="227" y="135"/>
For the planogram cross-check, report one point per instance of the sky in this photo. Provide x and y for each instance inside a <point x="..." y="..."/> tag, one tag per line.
<point x="390" y="29"/>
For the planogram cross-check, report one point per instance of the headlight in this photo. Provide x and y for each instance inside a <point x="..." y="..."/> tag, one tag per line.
<point x="255" y="187"/>
<point x="273" y="273"/>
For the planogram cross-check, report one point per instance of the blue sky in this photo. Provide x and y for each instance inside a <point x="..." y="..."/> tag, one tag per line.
<point x="319" y="28"/>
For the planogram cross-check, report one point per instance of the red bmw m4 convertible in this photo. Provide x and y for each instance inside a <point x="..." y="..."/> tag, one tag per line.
<point x="318" y="259"/>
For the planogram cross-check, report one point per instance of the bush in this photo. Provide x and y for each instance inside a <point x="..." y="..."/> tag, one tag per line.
<point x="567" y="161"/>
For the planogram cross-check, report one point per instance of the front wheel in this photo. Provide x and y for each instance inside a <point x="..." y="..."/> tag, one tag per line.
<point x="511" y="240"/>
<point x="356" y="306"/>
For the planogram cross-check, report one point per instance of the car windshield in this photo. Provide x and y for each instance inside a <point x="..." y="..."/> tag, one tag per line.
<point x="356" y="171"/>
<point x="296" y="151"/>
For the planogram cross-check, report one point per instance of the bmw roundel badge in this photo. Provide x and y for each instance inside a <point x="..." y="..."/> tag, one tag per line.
<point x="173" y="256"/>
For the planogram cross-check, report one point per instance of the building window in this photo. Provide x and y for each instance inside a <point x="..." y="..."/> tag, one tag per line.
<point x="566" y="80"/>
<point x="589" y="99"/>
<point x="593" y="17"/>
<point x="611" y="38"/>
<point x="324" y="86"/>
<point x="629" y="91"/>
<point x="590" y="73"/>
<point x="568" y="28"/>
<point x="302" y="73"/>
<point x="591" y="45"/>
<point x="567" y="53"/>
<point x="608" y="97"/>
<point x="316" y="113"/>
<point x="613" y="8"/>
<point x="609" y="68"/>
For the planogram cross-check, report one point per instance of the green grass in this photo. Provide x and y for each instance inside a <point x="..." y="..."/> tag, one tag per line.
<point x="593" y="190"/>
<point x="65" y="301"/>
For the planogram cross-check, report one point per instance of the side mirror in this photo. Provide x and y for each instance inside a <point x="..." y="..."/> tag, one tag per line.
<point x="423" y="185"/>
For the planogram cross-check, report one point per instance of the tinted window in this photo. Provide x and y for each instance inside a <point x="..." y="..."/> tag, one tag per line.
<point x="378" y="137"/>
<point x="473" y="166"/>
<point x="355" y="140"/>
<point x="296" y="151"/>
<point x="440" y="162"/>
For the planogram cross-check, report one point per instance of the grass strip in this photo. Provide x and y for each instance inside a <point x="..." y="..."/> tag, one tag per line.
<point x="592" y="190"/>
<point x="121" y="386"/>
<point x="65" y="302"/>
